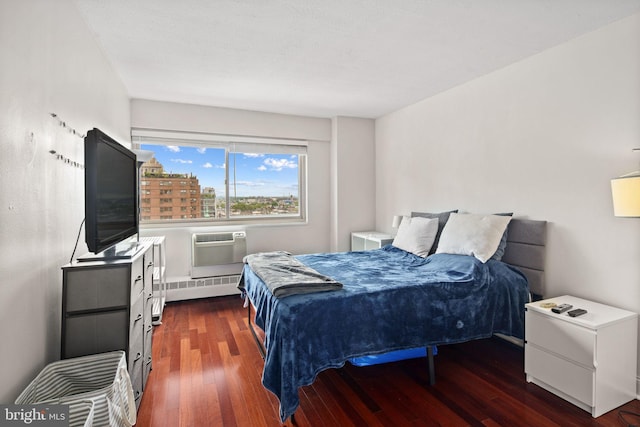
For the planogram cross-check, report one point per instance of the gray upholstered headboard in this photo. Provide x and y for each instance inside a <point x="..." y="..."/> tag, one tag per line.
<point x="526" y="240"/>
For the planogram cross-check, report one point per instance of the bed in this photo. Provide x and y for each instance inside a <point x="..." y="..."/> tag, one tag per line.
<point x="389" y="300"/>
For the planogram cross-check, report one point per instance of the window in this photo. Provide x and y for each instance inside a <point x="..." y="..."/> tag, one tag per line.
<point x="207" y="177"/>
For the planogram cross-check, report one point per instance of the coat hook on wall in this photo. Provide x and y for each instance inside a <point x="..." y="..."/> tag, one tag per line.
<point x="66" y="160"/>
<point x="67" y="127"/>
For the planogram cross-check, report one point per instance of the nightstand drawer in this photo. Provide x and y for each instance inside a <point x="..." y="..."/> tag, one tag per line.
<point x="567" y="377"/>
<point x="563" y="338"/>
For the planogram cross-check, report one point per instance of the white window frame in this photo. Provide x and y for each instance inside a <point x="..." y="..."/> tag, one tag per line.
<point x="231" y="144"/>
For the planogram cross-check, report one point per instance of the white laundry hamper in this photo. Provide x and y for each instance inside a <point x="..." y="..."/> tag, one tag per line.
<point x="97" y="389"/>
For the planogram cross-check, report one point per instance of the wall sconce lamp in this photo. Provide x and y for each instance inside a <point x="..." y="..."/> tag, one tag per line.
<point x="625" y="191"/>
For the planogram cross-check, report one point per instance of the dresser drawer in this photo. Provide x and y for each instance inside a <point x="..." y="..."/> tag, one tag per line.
<point x="95" y="333"/>
<point x="91" y="288"/>
<point x="137" y="382"/>
<point x="148" y="337"/>
<point x="137" y="315"/>
<point x="147" y="370"/>
<point x="136" y="349"/>
<point x="137" y="278"/>
<point x="561" y="337"/>
<point x="148" y="308"/>
<point x="148" y="269"/>
<point x="137" y="310"/>
<point x="565" y="376"/>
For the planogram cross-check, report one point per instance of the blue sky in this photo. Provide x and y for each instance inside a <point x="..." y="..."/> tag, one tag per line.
<point x="256" y="174"/>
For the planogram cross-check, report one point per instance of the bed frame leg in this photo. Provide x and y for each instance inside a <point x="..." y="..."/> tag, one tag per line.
<point x="253" y="332"/>
<point x="432" y="369"/>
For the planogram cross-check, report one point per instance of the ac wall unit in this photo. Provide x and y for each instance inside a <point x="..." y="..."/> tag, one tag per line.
<point x="217" y="254"/>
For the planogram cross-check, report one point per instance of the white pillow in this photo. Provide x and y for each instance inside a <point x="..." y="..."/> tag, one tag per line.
<point x="472" y="234"/>
<point x="416" y="235"/>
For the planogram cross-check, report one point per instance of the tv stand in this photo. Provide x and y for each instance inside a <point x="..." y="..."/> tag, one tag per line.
<point x="122" y="250"/>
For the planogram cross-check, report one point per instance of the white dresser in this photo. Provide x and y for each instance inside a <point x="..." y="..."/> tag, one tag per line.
<point x="590" y="360"/>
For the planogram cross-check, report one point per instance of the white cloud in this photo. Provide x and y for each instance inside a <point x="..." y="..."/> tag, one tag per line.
<point x="210" y="165"/>
<point x="187" y="162"/>
<point x="262" y="168"/>
<point x="173" y="148"/>
<point x="279" y="164"/>
<point x="202" y="150"/>
<point x="250" y="183"/>
<point x="253" y="155"/>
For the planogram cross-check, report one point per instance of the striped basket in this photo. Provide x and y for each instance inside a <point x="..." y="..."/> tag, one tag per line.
<point x="97" y="389"/>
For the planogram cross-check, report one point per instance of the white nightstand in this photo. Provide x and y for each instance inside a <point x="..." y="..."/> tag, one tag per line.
<point x="365" y="240"/>
<point x="590" y="360"/>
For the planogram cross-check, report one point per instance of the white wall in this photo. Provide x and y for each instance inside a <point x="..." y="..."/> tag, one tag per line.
<point x="542" y="138"/>
<point x="353" y="179"/>
<point x="296" y="238"/>
<point x="49" y="64"/>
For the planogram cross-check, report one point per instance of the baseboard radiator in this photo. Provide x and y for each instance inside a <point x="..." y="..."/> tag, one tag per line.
<point x="217" y="254"/>
<point x="186" y="288"/>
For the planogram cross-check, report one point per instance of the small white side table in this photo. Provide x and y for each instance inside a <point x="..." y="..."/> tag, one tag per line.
<point x="365" y="240"/>
<point x="590" y="360"/>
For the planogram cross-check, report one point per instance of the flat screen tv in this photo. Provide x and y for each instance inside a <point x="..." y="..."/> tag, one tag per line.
<point x="110" y="191"/>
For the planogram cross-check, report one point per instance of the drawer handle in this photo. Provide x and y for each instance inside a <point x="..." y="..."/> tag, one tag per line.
<point x="138" y="278"/>
<point x="138" y="317"/>
<point x="150" y="264"/>
<point x="150" y="295"/>
<point x="138" y="356"/>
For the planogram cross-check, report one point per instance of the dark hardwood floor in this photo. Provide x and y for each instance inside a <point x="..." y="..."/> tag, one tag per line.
<point x="207" y="370"/>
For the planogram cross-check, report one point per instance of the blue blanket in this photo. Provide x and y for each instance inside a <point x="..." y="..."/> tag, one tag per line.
<point x="390" y="300"/>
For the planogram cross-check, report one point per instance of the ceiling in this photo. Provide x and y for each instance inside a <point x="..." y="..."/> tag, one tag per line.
<point x="326" y="58"/>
